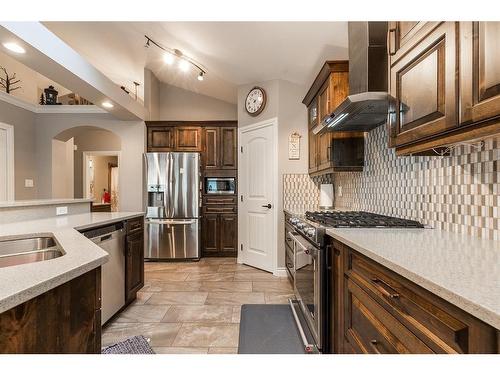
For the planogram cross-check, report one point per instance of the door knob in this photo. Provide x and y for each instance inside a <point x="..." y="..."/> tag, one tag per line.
<point x="267" y="205"/>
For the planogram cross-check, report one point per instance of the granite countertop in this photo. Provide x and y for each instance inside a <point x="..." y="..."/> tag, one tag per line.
<point x="42" y="202"/>
<point x="20" y="283"/>
<point x="462" y="269"/>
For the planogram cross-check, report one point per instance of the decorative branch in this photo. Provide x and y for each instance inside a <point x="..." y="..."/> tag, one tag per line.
<point x="9" y="82"/>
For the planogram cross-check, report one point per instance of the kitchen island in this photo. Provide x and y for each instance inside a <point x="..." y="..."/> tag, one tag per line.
<point x="71" y="280"/>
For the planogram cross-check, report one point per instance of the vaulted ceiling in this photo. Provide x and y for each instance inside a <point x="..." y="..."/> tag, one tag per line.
<point x="233" y="53"/>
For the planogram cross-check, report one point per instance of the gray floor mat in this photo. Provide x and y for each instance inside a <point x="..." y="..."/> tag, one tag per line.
<point x="268" y="329"/>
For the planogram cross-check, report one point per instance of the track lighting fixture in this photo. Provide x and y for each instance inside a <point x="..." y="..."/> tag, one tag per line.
<point x="170" y="55"/>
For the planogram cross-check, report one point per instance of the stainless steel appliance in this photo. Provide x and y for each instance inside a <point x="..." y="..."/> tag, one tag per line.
<point x="310" y="282"/>
<point x="305" y="236"/>
<point x="366" y="106"/>
<point x="220" y="185"/>
<point x="112" y="240"/>
<point x="173" y="205"/>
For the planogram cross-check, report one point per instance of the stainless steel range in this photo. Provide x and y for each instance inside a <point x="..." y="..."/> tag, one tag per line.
<point x="307" y="262"/>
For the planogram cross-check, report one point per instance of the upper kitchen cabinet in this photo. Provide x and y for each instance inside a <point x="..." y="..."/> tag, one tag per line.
<point x="161" y="139"/>
<point x="187" y="138"/>
<point x="220" y="147"/>
<point x="328" y="90"/>
<point x="423" y="83"/>
<point x="479" y="71"/>
<point x="445" y="84"/>
<point x="173" y="138"/>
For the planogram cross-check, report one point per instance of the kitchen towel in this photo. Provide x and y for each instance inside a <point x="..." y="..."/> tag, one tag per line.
<point x="326" y="196"/>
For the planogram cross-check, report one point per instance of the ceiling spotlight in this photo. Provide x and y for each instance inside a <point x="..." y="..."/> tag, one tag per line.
<point x="107" y="104"/>
<point x="184" y="65"/>
<point x="168" y="58"/>
<point x="14" y="47"/>
<point x="200" y="76"/>
<point x="147" y="44"/>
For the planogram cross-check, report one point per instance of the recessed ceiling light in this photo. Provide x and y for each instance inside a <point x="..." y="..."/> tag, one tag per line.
<point x="168" y="58"/>
<point x="14" y="47"/>
<point x="107" y="104"/>
<point x="184" y="65"/>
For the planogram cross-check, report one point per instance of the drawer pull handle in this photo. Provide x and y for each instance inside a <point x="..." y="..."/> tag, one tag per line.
<point x="373" y="344"/>
<point x="382" y="288"/>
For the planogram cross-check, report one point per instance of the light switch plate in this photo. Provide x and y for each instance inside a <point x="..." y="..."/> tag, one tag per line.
<point x="28" y="182"/>
<point x="63" y="210"/>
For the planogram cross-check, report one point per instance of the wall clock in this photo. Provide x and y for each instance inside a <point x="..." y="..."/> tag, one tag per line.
<point x="255" y="101"/>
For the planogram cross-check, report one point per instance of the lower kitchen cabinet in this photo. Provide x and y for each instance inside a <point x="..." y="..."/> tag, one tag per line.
<point x="219" y="234"/>
<point x="66" y="319"/>
<point x="134" y="262"/>
<point x="375" y="310"/>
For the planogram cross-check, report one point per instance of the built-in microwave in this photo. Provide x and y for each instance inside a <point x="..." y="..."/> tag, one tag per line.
<point x="220" y="185"/>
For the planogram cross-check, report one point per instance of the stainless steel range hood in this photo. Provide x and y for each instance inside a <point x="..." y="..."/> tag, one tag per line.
<point x="366" y="106"/>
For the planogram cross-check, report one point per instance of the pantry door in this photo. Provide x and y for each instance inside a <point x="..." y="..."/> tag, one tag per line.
<point x="257" y="191"/>
<point x="6" y="162"/>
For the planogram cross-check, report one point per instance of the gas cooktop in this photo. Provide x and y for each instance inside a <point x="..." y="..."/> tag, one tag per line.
<point x="359" y="219"/>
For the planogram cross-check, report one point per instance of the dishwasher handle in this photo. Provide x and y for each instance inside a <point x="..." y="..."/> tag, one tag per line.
<point x="109" y="236"/>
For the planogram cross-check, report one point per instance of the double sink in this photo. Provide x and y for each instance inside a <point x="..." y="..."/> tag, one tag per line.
<point x="28" y="250"/>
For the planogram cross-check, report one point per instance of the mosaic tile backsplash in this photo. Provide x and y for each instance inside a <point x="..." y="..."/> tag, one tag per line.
<point x="301" y="192"/>
<point x="459" y="193"/>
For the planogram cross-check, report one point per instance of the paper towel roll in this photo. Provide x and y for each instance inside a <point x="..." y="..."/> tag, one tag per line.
<point x="326" y="196"/>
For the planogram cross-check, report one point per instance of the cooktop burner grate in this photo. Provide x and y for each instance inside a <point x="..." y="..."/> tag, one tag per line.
<point x="359" y="219"/>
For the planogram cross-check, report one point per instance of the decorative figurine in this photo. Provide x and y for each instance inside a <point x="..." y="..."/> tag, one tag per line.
<point x="50" y="95"/>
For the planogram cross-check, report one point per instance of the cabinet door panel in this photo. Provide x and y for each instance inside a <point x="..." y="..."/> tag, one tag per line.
<point x="187" y="139"/>
<point x="228" y="228"/>
<point x="479" y="71"/>
<point x="160" y="139"/>
<point x="210" y="231"/>
<point x="228" y="148"/>
<point x="423" y="83"/>
<point x="134" y="271"/>
<point x="211" y="148"/>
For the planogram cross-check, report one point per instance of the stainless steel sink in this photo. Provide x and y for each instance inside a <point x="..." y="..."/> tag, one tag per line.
<point x="28" y="250"/>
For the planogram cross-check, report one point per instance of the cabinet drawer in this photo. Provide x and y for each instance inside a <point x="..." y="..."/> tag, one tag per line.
<point x="218" y="200"/>
<point x="219" y="209"/>
<point x="372" y="329"/>
<point x="135" y="225"/>
<point x="443" y="327"/>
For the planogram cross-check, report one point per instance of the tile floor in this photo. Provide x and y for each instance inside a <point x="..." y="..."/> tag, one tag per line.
<point x="195" y="307"/>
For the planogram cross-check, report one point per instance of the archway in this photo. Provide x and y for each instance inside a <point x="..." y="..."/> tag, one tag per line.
<point x="92" y="167"/>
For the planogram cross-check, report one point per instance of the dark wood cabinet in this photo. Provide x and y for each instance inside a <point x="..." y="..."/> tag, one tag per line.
<point x="423" y="83"/>
<point x="444" y="78"/>
<point x="479" y="71"/>
<point x="161" y="139"/>
<point x="220" y="148"/>
<point x="376" y="310"/>
<point x="329" y="89"/>
<point x="66" y="319"/>
<point x="219" y="234"/>
<point x="187" y="138"/>
<point x="134" y="262"/>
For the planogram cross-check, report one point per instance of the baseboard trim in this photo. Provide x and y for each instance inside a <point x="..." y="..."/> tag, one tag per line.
<point x="280" y="272"/>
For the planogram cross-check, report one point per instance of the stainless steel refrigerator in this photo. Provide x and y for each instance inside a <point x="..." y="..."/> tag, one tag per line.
<point x="173" y="205"/>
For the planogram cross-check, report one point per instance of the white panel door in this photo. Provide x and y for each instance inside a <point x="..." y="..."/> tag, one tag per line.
<point x="6" y="162"/>
<point x="257" y="179"/>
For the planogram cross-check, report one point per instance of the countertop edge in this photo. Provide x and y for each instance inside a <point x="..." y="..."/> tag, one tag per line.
<point x="480" y="312"/>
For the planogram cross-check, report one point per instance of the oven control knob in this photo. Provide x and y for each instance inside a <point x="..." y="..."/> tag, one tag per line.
<point x="310" y="232"/>
<point x="300" y="225"/>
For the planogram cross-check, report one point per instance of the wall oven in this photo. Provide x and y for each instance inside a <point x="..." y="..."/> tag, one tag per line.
<point x="220" y="185"/>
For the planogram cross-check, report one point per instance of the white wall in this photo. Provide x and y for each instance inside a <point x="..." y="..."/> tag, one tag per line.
<point x="151" y="95"/>
<point x="284" y="101"/>
<point x="177" y="104"/>
<point x="131" y="133"/>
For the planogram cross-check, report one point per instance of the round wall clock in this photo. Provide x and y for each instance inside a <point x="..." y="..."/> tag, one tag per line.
<point x="256" y="101"/>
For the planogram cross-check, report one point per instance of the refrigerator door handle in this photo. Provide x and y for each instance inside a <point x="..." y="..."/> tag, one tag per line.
<point x="171" y="222"/>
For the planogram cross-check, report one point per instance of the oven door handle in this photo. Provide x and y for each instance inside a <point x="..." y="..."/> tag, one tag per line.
<point x="308" y="347"/>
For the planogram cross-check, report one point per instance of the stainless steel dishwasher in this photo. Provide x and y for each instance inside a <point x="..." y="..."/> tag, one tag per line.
<point x="111" y="239"/>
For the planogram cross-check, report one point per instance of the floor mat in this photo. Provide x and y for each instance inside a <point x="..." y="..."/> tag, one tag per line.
<point x="132" y="345"/>
<point x="269" y="329"/>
